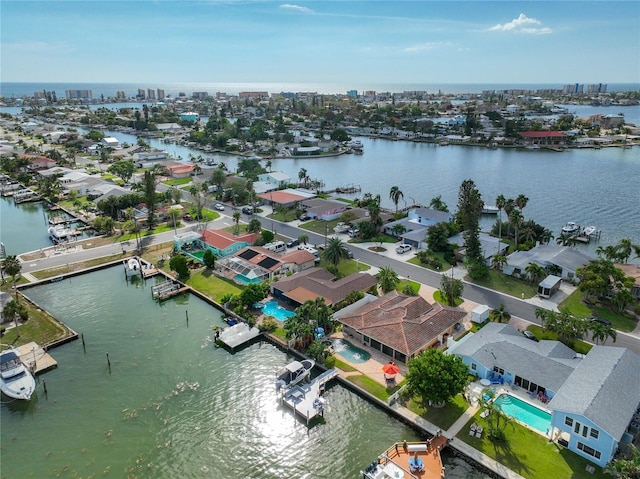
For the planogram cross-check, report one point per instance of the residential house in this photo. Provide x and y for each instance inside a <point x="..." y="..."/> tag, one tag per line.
<point x="633" y="271"/>
<point x="543" y="138"/>
<point x="399" y="325"/>
<point x="276" y="179"/>
<point x="318" y="282"/>
<point x="322" y="209"/>
<point x="564" y="259"/>
<point x="224" y="244"/>
<point x="180" y="170"/>
<point x="110" y="141"/>
<point x="489" y="245"/>
<point x="285" y="198"/>
<point x="593" y="397"/>
<point x="416" y="225"/>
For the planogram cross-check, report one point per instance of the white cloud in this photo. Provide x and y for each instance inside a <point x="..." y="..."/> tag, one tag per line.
<point x="521" y="25"/>
<point x="296" y="8"/>
<point x="422" y="47"/>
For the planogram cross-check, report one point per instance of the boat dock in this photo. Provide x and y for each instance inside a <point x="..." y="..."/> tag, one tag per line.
<point x="167" y="290"/>
<point x="238" y="334"/>
<point x="306" y="399"/>
<point x="35" y="358"/>
<point x="397" y="460"/>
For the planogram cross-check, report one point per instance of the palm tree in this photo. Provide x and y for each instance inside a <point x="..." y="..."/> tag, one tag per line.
<point x="501" y="201"/>
<point x="387" y="279"/>
<point x="437" y="204"/>
<point x="335" y="252"/>
<point x="268" y="165"/>
<point x="13" y="310"/>
<point x="509" y="206"/>
<point x="521" y="202"/>
<point x="303" y="238"/>
<point x="624" y="248"/>
<point x="500" y="315"/>
<point x="536" y="272"/>
<point x="396" y="195"/>
<point x="236" y="222"/>
<point x="515" y="218"/>
<point x="12" y="267"/>
<point x="498" y="261"/>
<point x="546" y="236"/>
<point x="601" y="332"/>
<point x="218" y="178"/>
<point x="302" y="176"/>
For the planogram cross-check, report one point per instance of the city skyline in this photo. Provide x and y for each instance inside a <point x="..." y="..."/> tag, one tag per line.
<point x="356" y="43"/>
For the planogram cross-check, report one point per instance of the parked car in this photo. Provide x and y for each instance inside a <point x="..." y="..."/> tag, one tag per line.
<point x="403" y="248"/>
<point x="292" y="243"/>
<point x="247" y="210"/>
<point x="530" y="335"/>
<point x="219" y="206"/>
<point x="604" y="322"/>
<point x="305" y="217"/>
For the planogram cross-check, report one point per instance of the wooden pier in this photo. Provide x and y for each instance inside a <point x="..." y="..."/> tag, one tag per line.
<point x="396" y="461"/>
<point x="306" y="400"/>
<point x="167" y="290"/>
<point x="35" y="358"/>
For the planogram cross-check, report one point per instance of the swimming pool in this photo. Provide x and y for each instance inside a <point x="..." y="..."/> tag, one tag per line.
<point x="272" y="308"/>
<point x="524" y="412"/>
<point x="348" y="351"/>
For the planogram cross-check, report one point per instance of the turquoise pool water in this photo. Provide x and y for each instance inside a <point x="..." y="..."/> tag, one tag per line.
<point x="348" y="351"/>
<point x="524" y="412"/>
<point x="244" y="280"/>
<point x="272" y="308"/>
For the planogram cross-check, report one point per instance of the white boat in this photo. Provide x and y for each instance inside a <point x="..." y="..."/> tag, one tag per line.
<point x="293" y="373"/>
<point x="571" y="228"/>
<point x="355" y="145"/>
<point x="341" y="228"/>
<point x="61" y="234"/>
<point x="16" y="381"/>
<point x="589" y="230"/>
<point x="490" y="210"/>
<point x="132" y="267"/>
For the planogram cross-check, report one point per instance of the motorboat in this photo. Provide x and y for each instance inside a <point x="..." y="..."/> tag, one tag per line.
<point x="570" y="228"/>
<point x="16" y="381"/>
<point x="355" y="145"/>
<point x="61" y="234"/>
<point x="588" y="231"/>
<point x="132" y="267"/>
<point x="293" y="373"/>
<point x="490" y="210"/>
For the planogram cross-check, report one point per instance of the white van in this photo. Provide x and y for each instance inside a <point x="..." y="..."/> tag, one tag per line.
<point x="276" y="246"/>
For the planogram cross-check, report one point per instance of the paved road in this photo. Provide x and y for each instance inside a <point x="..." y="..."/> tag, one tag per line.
<point x="515" y="306"/>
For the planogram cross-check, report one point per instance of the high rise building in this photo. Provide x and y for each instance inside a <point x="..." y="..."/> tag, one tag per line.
<point x="79" y="94"/>
<point x="141" y="94"/>
<point x="161" y="94"/>
<point x="151" y="94"/>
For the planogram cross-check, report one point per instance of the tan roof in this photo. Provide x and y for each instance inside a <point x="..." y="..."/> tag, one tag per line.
<point x="298" y="256"/>
<point x="631" y="270"/>
<point x="320" y="282"/>
<point x="405" y="323"/>
<point x="281" y="197"/>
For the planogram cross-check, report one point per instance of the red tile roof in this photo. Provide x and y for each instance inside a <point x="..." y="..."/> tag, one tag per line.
<point x="282" y="197"/>
<point x="221" y="239"/>
<point x="405" y="323"/>
<point x="542" y="134"/>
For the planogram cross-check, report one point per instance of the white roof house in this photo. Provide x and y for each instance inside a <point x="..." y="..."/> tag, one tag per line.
<point x="110" y="141"/>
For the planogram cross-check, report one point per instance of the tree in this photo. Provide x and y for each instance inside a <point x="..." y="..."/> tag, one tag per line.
<point x="470" y="206"/>
<point x="498" y="261"/>
<point x="12" y="267"/>
<point x="396" y="195"/>
<point x="536" y="272"/>
<point x="209" y="259"/>
<point x="178" y="263"/>
<point x="568" y="327"/>
<point x="266" y="236"/>
<point x="600" y="278"/>
<point x="254" y="226"/>
<point x="436" y="203"/>
<point x="499" y="314"/>
<point x="451" y="289"/>
<point x="501" y="201"/>
<point x="302" y="176"/>
<point x="387" y="279"/>
<point x="252" y="293"/>
<point x="625" y="248"/>
<point x="218" y="178"/>
<point x="13" y="311"/>
<point x="303" y="238"/>
<point x="123" y="168"/>
<point x="236" y="222"/>
<point x="335" y="252"/>
<point x="436" y="377"/>
<point x="601" y="332"/>
<point x="497" y="420"/>
<point x="150" y="197"/>
<point x="627" y="466"/>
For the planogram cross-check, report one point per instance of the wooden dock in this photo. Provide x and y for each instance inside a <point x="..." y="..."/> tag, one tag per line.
<point x="36" y="358"/>
<point x="167" y="290"/>
<point x="306" y="400"/>
<point x="395" y="461"/>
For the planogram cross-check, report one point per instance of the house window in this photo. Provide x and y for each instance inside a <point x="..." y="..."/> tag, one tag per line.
<point x="595" y="433"/>
<point x="568" y="421"/>
<point x="498" y="370"/>
<point x="576" y="429"/>
<point x="588" y="450"/>
<point x="474" y="366"/>
<point x="585" y="429"/>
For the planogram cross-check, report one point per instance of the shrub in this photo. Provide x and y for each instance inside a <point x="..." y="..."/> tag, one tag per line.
<point x="330" y="362"/>
<point x="268" y="324"/>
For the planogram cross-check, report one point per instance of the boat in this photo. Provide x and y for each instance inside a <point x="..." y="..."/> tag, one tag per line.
<point x="132" y="267"/>
<point x="16" y="381"/>
<point x="588" y="231"/>
<point x="490" y="210"/>
<point x="61" y="234"/>
<point x="293" y="373"/>
<point x="570" y="228"/>
<point x="403" y="460"/>
<point x="355" y="145"/>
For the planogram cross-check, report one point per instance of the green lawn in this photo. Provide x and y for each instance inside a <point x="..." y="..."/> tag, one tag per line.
<point x="579" y="346"/>
<point x="528" y="453"/>
<point x="211" y="285"/>
<point x="374" y="387"/>
<point x="573" y="304"/>
<point x="40" y="328"/>
<point x="506" y="284"/>
<point x="444" y="265"/>
<point x="404" y="282"/>
<point x="443" y="417"/>
<point x="178" y="181"/>
<point x="437" y="295"/>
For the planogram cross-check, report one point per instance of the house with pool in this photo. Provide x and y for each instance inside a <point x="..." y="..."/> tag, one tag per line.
<point x="221" y="243"/>
<point x="399" y="325"/>
<point x="593" y="399"/>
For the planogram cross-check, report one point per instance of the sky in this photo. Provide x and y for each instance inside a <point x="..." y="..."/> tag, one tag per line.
<point x="333" y="41"/>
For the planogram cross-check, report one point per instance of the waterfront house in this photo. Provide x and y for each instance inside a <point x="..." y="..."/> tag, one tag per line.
<point x="271" y="181"/>
<point x="223" y="244"/>
<point x="110" y="141"/>
<point x="180" y="170"/>
<point x="318" y="282"/>
<point x="543" y="138"/>
<point x="399" y="325"/>
<point x="489" y="245"/>
<point x="416" y="225"/>
<point x="564" y="258"/>
<point x="322" y="209"/>
<point x="592" y="398"/>
<point x="285" y="198"/>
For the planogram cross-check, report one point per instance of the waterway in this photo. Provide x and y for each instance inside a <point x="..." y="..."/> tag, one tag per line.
<point x="171" y="404"/>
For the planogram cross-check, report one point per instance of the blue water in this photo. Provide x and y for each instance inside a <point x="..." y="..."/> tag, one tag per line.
<point x="244" y="280"/>
<point x="272" y="308"/>
<point x="350" y="352"/>
<point x="524" y="412"/>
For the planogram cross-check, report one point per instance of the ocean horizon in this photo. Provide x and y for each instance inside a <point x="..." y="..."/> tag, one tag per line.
<point x="27" y="89"/>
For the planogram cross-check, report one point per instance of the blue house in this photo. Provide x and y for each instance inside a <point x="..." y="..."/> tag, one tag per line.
<point x="593" y="399"/>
